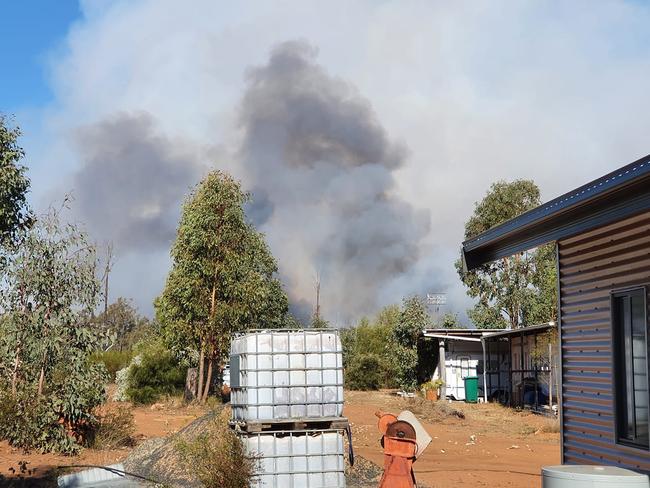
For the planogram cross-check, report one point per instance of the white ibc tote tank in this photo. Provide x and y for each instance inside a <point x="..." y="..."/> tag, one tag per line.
<point x="297" y="459"/>
<point x="569" y="476"/>
<point x="284" y="374"/>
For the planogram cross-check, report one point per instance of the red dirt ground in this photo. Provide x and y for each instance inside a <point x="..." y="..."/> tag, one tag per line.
<point x="509" y="449"/>
<point x="162" y="420"/>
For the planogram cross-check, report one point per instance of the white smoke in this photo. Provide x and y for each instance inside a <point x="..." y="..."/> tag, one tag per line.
<point x="478" y="91"/>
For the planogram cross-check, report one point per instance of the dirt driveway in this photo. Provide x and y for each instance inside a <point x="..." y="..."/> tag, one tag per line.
<point x="508" y="449"/>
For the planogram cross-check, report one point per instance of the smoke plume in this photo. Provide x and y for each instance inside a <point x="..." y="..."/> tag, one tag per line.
<point x="131" y="184"/>
<point x="321" y="169"/>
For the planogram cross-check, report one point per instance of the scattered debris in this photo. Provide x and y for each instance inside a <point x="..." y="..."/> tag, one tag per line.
<point x="406" y="394"/>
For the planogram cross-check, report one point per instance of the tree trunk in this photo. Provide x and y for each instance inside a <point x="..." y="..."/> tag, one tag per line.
<point x="190" y="384"/>
<point x="199" y="393"/>
<point x="41" y="380"/>
<point x="206" y="390"/>
<point x="213" y="307"/>
<point x="14" y="375"/>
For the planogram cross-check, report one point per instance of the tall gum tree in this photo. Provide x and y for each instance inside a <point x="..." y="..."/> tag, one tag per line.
<point x="223" y="277"/>
<point x="14" y="185"/>
<point x="515" y="291"/>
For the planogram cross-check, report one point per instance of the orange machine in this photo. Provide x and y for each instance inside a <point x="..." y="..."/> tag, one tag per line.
<point x="401" y="448"/>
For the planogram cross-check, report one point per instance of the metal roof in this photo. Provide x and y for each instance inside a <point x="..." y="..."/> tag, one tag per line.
<point x="616" y="195"/>
<point x="473" y="334"/>
<point x="461" y="332"/>
<point x="532" y="329"/>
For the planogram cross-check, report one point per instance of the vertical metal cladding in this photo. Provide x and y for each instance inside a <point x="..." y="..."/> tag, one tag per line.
<point x="592" y="265"/>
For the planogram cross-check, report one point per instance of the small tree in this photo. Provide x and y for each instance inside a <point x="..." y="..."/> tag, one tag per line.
<point x="118" y="322"/>
<point x="370" y="345"/>
<point x="413" y="320"/>
<point x="45" y="343"/>
<point x="517" y="290"/>
<point x="448" y="321"/>
<point x="222" y="279"/>
<point x="319" y="322"/>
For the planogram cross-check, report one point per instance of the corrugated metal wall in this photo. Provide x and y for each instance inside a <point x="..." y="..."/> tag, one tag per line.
<point x="591" y="266"/>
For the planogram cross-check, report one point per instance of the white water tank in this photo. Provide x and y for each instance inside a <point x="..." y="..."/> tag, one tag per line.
<point x="313" y="459"/>
<point x="569" y="476"/>
<point x="284" y="374"/>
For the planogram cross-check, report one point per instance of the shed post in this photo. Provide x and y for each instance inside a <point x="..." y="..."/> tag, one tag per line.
<point x="485" y="364"/>
<point x="441" y="364"/>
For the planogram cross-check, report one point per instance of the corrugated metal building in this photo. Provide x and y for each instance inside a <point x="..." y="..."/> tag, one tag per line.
<point x="602" y="231"/>
<point x="516" y="374"/>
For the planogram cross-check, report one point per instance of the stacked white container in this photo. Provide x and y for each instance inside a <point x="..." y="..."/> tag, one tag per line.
<point x="287" y="399"/>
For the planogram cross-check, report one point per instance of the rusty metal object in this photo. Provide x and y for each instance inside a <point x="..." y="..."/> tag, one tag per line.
<point x="401" y="430"/>
<point x="385" y="419"/>
<point x="400" y="446"/>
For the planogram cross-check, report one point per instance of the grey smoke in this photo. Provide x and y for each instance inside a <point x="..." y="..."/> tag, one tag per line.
<point x="320" y="167"/>
<point x="322" y="171"/>
<point x="132" y="182"/>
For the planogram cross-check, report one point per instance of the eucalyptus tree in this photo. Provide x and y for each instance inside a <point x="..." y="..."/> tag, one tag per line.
<point x="14" y="185"/>
<point x="517" y="290"/>
<point x="223" y="277"/>
<point x="413" y="319"/>
<point x="49" y="287"/>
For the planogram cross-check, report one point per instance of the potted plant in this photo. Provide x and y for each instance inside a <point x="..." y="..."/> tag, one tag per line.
<point x="431" y="389"/>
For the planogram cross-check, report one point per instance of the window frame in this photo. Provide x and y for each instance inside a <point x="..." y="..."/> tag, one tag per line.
<point x="616" y="374"/>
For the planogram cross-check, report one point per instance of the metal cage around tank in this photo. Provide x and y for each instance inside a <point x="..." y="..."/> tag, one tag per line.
<point x="297" y="458"/>
<point x="286" y="373"/>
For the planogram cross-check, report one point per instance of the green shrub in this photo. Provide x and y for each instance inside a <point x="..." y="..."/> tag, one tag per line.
<point x="405" y="362"/>
<point x="61" y="419"/>
<point x="364" y="372"/>
<point x="217" y="457"/>
<point x="30" y="424"/>
<point x="113" y="360"/>
<point x="157" y="374"/>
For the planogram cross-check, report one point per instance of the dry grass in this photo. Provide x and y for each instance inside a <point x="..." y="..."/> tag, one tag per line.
<point x="217" y="457"/>
<point x="116" y="427"/>
<point x="431" y="411"/>
<point x="551" y="426"/>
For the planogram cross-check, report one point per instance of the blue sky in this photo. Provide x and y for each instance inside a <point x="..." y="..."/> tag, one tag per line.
<point x="30" y="30"/>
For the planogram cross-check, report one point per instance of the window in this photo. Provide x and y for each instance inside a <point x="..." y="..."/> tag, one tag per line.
<point x="631" y="366"/>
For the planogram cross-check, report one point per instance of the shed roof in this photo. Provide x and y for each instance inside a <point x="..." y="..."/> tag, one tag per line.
<point x="530" y="330"/>
<point x="612" y="197"/>
<point x="461" y="332"/>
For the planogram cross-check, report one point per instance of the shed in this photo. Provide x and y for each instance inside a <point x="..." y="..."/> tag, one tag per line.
<point x="459" y="354"/>
<point x="515" y="375"/>
<point x="522" y="366"/>
<point x="602" y="235"/>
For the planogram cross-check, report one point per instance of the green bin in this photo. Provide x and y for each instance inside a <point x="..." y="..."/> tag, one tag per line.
<point x="471" y="389"/>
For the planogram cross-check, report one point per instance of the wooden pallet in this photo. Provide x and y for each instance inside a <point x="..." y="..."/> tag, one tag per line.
<point x="338" y="423"/>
